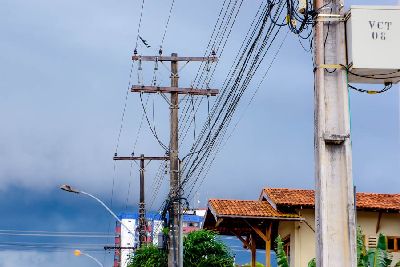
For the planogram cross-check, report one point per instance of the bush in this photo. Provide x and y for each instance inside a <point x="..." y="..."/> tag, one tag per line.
<point x="149" y="256"/>
<point x="202" y="249"/>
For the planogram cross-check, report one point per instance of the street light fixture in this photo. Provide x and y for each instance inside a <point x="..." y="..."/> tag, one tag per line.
<point x="70" y="189"/>
<point x="78" y="253"/>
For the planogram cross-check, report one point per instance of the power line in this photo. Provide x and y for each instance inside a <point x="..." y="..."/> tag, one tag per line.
<point x="49" y="232"/>
<point x="57" y="235"/>
<point x="166" y="25"/>
<point x="238" y="79"/>
<point x="140" y="24"/>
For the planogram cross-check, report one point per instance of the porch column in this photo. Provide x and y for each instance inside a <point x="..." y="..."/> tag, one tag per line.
<point x="268" y="246"/>
<point x="253" y="247"/>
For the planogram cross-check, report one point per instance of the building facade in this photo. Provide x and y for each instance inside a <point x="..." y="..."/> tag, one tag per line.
<point x="376" y="213"/>
<point x="127" y="240"/>
<point x="290" y="214"/>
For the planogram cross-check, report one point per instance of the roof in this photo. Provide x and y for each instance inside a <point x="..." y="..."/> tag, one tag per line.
<point x="305" y="198"/>
<point x="192" y="218"/>
<point x="245" y="208"/>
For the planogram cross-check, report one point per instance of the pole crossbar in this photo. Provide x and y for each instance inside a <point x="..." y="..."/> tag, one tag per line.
<point x="173" y="58"/>
<point x="184" y="91"/>
<point x="140" y="158"/>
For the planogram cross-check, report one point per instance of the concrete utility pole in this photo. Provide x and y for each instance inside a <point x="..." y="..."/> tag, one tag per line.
<point x="174" y="183"/>
<point x="142" y="203"/>
<point x="334" y="198"/>
<point x="175" y="253"/>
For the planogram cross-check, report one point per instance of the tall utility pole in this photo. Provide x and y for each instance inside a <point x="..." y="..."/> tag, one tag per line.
<point x="175" y="253"/>
<point x="142" y="203"/>
<point x="334" y="198"/>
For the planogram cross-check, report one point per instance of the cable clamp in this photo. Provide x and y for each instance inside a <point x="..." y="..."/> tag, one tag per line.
<point x="330" y="17"/>
<point x="330" y="66"/>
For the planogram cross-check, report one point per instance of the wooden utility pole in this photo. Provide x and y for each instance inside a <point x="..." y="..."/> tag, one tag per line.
<point x="142" y="203"/>
<point x="334" y="198"/>
<point x="175" y="253"/>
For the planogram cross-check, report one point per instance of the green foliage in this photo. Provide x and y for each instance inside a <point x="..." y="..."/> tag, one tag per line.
<point x="362" y="255"/>
<point x="149" y="256"/>
<point x="374" y="257"/>
<point x="165" y="230"/>
<point x="280" y="253"/>
<point x="258" y="264"/>
<point x="397" y="264"/>
<point x="312" y="263"/>
<point x="201" y="249"/>
<point x="379" y="257"/>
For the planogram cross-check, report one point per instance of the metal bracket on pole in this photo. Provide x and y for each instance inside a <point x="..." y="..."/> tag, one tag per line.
<point x="335" y="139"/>
<point x="330" y="18"/>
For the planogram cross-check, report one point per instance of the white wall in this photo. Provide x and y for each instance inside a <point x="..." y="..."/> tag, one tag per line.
<point x="128" y="239"/>
<point x="302" y="236"/>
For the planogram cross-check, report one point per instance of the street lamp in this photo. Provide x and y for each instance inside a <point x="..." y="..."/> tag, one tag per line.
<point x="77" y="253"/>
<point x="69" y="189"/>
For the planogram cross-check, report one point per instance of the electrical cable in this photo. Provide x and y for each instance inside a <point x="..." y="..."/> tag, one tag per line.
<point x="166" y="25"/>
<point x="387" y="87"/>
<point x="152" y="129"/>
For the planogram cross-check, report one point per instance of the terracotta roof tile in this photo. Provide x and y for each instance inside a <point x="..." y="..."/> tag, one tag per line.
<point x="304" y="197"/>
<point x="245" y="208"/>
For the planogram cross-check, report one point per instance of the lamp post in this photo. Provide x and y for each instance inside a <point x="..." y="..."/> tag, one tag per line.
<point x="77" y="253"/>
<point x="69" y="189"/>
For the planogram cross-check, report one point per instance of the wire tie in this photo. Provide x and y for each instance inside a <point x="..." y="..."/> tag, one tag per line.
<point x="330" y="66"/>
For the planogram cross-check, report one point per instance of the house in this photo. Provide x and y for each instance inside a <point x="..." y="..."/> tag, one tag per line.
<point x="290" y="213"/>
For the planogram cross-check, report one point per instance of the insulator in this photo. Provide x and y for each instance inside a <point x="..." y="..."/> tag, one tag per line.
<point x="213" y="53"/>
<point x="160" y="51"/>
<point x="135" y="52"/>
<point x="115" y="154"/>
<point x="133" y="154"/>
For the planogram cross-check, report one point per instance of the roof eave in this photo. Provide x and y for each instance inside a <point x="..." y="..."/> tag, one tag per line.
<point x="262" y="217"/>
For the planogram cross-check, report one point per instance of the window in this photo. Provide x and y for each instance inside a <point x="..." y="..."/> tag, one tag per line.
<point x="393" y="243"/>
<point x="286" y="245"/>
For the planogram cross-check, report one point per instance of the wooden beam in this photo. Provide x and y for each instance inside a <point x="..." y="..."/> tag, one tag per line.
<point x="259" y="232"/>
<point x="253" y="249"/>
<point x="158" y="89"/>
<point x="245" y="242"/>
<point x="268" y="246"/>
<point x="219" y="221"/>
<point x="378" y="223"/>
<point x="139" y="158"/>
<point x="173" y="58"/>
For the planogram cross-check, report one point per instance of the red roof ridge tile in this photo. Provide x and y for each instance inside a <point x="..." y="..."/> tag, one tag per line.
<point x="305" y="197"/>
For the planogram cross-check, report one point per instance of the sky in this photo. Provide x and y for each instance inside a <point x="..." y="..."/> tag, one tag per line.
<point x="65" y="68"/>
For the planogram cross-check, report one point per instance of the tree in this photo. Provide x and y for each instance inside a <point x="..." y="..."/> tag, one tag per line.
<point x="149" y="256"/>
<point x="202" y="249"/>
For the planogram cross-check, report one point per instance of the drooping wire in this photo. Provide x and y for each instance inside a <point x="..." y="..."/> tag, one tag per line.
<point x="387" y="87"/>
<point x="140" y="24"/>
<point x="230" y="103"/>
<point x="167" y="24"/>
<point x="124" y="109"/>
<point x="152" y="129"/>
